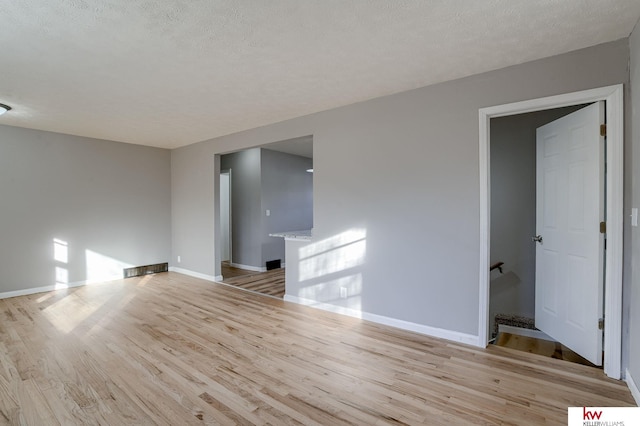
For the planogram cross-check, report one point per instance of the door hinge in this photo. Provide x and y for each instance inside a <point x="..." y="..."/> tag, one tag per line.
<point x="603" y="227"/>
<point x="603" y="130"/>
<point x="601" y="324"/>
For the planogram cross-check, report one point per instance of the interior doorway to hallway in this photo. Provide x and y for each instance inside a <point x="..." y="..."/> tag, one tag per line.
<point x="613" y="276"/>
<point x="524" y="301"/>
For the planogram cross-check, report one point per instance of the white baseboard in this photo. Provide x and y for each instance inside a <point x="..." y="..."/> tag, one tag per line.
<point x="380" y="319"/>
<point x="635" y="392"/>
<point x="526" y="332"/>
<point x="248" y="267"/>
<point x="195" y="274"/>
<point x="35" y="290"/>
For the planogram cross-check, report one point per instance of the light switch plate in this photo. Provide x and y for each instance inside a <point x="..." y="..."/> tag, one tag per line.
<point x="634" y="216"/>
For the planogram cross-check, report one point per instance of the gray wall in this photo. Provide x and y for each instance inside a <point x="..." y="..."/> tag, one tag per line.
<point x="633" y="255"/>
<point x="110" y="202"/>
<point x="513" y="210"/>
<point x="287" y="191"/>
<point x="246" y="226"/>
<point x="402" y="172"/>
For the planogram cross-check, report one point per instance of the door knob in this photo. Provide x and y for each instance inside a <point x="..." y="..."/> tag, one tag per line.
<point x="537" y="239"/>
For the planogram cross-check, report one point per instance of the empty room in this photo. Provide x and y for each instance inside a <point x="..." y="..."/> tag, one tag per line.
<point x="319" y="213"/>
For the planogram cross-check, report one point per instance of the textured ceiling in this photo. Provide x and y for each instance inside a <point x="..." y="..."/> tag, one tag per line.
<point x="169" y="73"/>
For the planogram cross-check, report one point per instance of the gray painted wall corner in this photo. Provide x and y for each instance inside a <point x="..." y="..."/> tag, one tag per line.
<point x="77" y="209"/>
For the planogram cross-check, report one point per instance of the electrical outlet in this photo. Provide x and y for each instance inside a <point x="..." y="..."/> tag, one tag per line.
<point x="268" y="212"/>
<point x="179" y="259"/>
<point x="634" y="216"/>
<point x="343" y="292"/>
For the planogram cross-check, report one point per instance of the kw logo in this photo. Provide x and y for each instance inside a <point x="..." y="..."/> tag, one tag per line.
<point x="590" y="415"/>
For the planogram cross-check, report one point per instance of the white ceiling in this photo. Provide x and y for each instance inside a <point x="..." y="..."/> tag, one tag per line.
<point x="168" y="73"/>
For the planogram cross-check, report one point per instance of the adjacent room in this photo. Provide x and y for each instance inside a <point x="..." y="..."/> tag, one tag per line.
<point x="266" y="194"/>
<point x="285" y="212"/>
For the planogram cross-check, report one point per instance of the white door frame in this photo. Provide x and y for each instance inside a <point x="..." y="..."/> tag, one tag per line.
<point x="613" y="95"/>
<point x="230" y="244"/>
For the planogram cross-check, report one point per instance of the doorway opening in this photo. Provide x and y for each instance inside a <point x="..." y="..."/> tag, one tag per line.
<point x="269" y="191"/>
<point x="517" y="198"/>
<point x="612" y="95"/>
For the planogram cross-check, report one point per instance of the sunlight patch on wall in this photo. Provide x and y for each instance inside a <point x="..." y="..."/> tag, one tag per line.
<point x="60" y="251"/>
<point x="61" y="256"/>
<point x="103" y="268"/>
<point x="339" y="253"/>
<point x="62" y="277"/>
<point x="348" y="288"/>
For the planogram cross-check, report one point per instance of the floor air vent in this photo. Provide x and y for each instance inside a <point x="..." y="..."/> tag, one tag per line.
<point x="274" y="264"/>
<point x="145" y="270"/>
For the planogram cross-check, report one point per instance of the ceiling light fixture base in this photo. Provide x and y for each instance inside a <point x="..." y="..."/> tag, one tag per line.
<point x="4" y="108"/>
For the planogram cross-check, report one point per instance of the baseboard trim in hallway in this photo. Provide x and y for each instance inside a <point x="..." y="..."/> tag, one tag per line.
<point x="216" y="278"/>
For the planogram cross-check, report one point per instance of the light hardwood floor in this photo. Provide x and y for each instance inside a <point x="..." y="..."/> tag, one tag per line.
<point x="540" y="347"/>
<point x="172" y="349"/>
<point x="229" y="271"/>
<point x="270" y="282"/>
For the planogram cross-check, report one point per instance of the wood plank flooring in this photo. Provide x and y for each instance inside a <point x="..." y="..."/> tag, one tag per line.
<point x="540" y="347"/>
<point x="229" y="271"/>
<point x="270" y="282"/>
<point x="169" y="349"/>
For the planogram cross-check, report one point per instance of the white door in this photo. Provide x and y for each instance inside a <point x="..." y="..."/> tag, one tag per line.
<point x="570" y="247"/>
